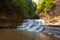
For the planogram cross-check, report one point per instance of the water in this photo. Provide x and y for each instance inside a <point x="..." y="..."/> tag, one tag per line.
<point x="32" y="25"/>
<point x="38" y="26"/>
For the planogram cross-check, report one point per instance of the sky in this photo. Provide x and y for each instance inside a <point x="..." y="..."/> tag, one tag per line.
<point x="36" y="1"/>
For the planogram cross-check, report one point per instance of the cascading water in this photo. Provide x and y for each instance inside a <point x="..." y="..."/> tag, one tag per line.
<point x="35" y="26"/>
<point x="32" y="25"/>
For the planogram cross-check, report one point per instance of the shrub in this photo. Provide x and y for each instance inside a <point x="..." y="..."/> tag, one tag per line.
<point x="45" y="5"/>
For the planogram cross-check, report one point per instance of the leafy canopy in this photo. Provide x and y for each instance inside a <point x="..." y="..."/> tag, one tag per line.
<point x="27" y="6"/>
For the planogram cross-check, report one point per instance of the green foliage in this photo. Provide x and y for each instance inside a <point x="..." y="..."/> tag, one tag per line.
<point x="45" y="5"/>
<point x="27" y="6"/>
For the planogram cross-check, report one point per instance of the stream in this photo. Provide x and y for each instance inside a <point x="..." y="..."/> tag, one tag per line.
<point x="38" y="26"/>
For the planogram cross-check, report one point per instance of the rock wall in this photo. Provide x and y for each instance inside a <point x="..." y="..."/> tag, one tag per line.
<point x="10" y="14"/>
<point x="12" y="20"/>
<point x="53" y="16"/>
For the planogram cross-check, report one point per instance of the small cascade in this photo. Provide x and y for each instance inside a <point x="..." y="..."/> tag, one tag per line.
<point x="34" y="25"/>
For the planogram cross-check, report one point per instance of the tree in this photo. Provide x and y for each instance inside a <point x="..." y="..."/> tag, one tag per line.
<point x="15" y="11"/>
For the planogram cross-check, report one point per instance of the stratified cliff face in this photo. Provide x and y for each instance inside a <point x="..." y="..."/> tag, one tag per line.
<point x="13" y="12"/>
<point x="13" y="20"/>
<point x="53" y="16"/>
<point x="56" y="10"/>
<point x="55" y="13"/>
<point x="10" y="14"/>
